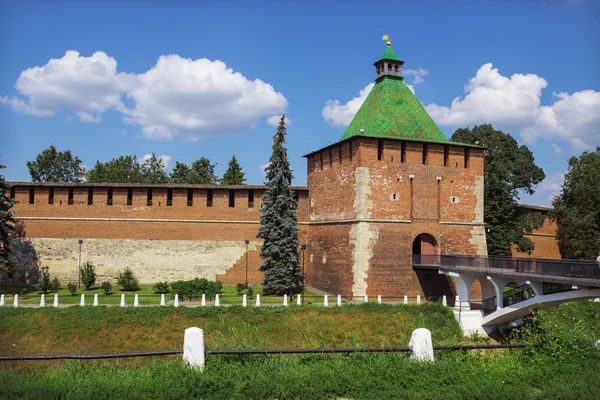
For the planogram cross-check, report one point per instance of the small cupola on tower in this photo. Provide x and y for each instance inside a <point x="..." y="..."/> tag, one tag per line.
<point x="389" y="64"/>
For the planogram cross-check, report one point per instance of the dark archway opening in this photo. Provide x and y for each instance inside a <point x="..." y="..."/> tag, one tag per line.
<point x="424" y="244"/>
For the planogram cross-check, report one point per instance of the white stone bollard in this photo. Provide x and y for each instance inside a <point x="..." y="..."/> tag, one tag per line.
<point x="339" y="300"/>
<point x="96" y="299"/>
<point x="82" y="301"/>
<point x="298" y="300"/>
<point x="444" y="301"/>
<point x="203" y="304"/>
<point x="244" y="301"/>
<point x="379" y="299"/>
<point x="162" y="300"/>
<point x="43" y="301"/>
<point x="420" y="345"/>
<point x="55" y="304"/>
<point x="418" y="299"/>
<point x="217" y="301"/>
<point x="597" y="300"/>
<point x="122" y="300"/>
<point x="325" y="301"/>
<point x="285" y="300"/>
<point x="457" y="302"/>
<point x="2" y="300"/>
<point x="258" y="300"/>
<point x="597" y="345"/>
<point x="16" y="301"/>
<point x="366" y="299"/>
<point x="176" y="302"/>
<point x="193" y="348"/>
<point x="136" y="301"/>
<point x="405" y="299"/>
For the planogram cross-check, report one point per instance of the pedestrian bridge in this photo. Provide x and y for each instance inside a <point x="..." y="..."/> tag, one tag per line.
<point x="512" y="287"/>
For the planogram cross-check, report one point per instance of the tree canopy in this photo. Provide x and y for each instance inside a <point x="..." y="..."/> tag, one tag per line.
<point x="201" y="172"/>
<point x="577" y="208"/>
<point x="127" y="169"/>
<point x="279" y="224"/>
<point x="55" y="166"/>
<point x="234" y="174"/>
<point x="509" y="168"/>
<point x="7" y="225"/>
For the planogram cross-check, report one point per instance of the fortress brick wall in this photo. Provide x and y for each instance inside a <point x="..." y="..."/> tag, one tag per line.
<point x="544" y="238"/>
<point x="163" y="232"/>
<point x="369" y="201"/>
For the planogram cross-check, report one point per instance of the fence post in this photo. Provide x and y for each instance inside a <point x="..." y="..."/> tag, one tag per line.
<point x="285" y="300"/>
<point x="244" y="301"/>
<point x="366" y="299"/>
<point x="16" y="301"/>
<point x="299" y="299"/>
<point x="96" y="299"/>
<point x="193" y="348"/>
<point x="55" y="304"/>
<point x="405" y="299"/>
<point x="82" y="301"/>
<point x="378" y="299"/>
<point x="176" y="302"/>
<point x="122" y="300"/>
<point x="339" y="300"/>
<point x="325" y="301"/>
<point x="444" y="301"/>
<point x="203" y="300"/>
<point x="43" y="301"/>
<point x="420" y="345"/>
<point x="258" y="300"/>
<point x="136" y="300"/>
<point x="1" y="300"/>
<point x="162" y="299"/>
<point x="217" y="300"/>
<point x="418" y="299"/>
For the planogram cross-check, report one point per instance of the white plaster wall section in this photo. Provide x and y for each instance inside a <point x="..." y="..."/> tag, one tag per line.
<point x="479" y="193"/>
<point x="362" y="237"/>
<point x="151" y="260"/>
<point x="478" y="238"/>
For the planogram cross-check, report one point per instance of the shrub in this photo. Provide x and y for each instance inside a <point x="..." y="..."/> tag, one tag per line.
<point x="127" y="280"/>
<point x="107" y="287"/>
<point x="240" y="287"/>
<point x="24" y="292"/>
<point x="88" y="275"/>
<point x="196" y="287"/>
<point x="72" y="288"/>
<point x="55" y="284"/>
<point x="161" y="287"/>
<point x="250" y="292"/>
<point x="44" y="285"/>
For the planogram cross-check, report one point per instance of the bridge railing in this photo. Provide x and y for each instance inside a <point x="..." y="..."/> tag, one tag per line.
<point x="574" y="269"/>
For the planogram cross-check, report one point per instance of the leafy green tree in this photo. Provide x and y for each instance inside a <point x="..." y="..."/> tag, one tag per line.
<point x="124" y="169"/>
<point x="88" y="275"/>
<point x="234" y="174"/>
<point x="56" y="166"/>
<point x="128" y="281"/>
<point x="509" y="168"/>
<point x="154" y="170"/>
<point x="279" y="225"/>
<point x="202" y="172"/>
<point x="7" y="226"/>
<point x="180" y="173"/>
<point x="577" y="208"/>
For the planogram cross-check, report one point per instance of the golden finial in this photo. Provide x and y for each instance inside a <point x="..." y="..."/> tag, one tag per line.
<point x="386" y="37"/>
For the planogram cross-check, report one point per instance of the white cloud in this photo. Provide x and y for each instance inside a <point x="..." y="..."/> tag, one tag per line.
<point x="552" y="185"/>
<point x="417" y="74"/>
<point x="176" y="97"/>
<point x="262" y="168"/>
<point x="274" y="120"/>
<point x="515" y="103"/>
<point x="165" y="158"/>
<point x="557" y="149"/>
<point x="337" y="114"/>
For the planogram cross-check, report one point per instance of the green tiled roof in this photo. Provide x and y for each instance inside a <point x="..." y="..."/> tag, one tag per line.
<point x="391" y="110"/>
<point x="389" y="54"/>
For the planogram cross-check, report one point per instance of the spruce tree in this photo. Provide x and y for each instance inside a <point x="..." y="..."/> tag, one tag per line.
<point x="279" y="225"/>
<point x="7" y="226"/>
<point x="234" y="174"/>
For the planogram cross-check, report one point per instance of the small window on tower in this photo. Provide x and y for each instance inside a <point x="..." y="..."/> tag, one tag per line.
<point x="379" y="149"/>
<point x="403" y="152"/>
<point x="425" y="153"/>
<point x="446" y="155"/>
<point x="250" y="198"/>
<point x="467" y="157"/>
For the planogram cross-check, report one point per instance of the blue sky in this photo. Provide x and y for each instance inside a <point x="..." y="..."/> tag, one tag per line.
<point x="189" y="79"/>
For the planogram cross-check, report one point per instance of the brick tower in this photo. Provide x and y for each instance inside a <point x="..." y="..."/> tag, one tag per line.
<point x="393" y="186"/>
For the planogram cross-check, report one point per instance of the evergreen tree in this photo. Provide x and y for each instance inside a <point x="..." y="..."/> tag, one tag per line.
<point x="55" y="166"/>
<point x="153" y="170"/>
<point x="279" y="225"/>
<point x="7" y="226"/>
<point x="577" y="208"/>
<point x="234" y="174"/>
<point x="180" y="173"/>
<point x="124" y="169"/>
<point x="202" y="172"/>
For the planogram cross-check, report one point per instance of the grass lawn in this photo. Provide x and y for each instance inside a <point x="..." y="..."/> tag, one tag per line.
<point x="146" y="295"/>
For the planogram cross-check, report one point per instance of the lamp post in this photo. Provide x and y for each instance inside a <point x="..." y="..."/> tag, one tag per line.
<point x="79" y="269"/>
<point x="44" y="278"/>
<point x="247" y="242"/>
<point x="303" y="247"/>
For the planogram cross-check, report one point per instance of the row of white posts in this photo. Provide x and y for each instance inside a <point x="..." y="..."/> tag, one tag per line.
<point x="194" y="350"/>
<point x="136" y="301"/>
